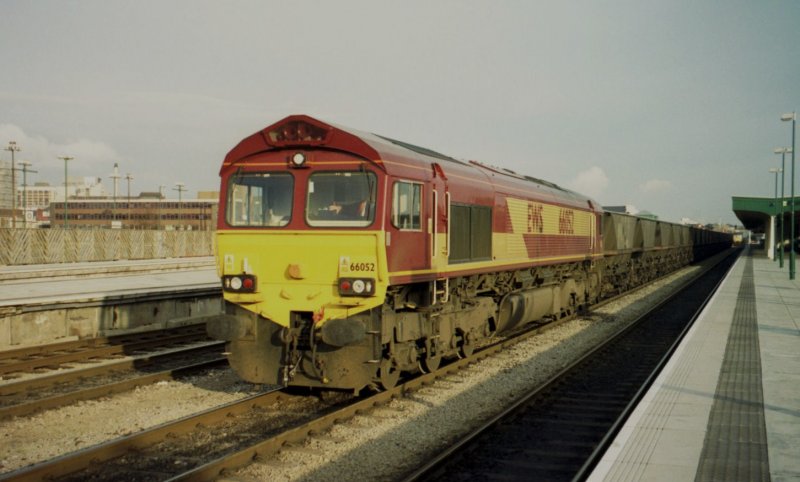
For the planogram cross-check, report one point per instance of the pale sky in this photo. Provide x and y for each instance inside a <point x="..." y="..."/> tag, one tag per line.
<point x="671" y="106"/>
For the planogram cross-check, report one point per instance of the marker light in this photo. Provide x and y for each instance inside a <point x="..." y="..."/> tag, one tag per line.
<point x="298" y="159"/>
<point x="239" y="283"/>
<point x="356" y="286"/>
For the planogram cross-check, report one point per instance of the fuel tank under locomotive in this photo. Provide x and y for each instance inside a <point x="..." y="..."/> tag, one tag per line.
<point x="555" y="301"/>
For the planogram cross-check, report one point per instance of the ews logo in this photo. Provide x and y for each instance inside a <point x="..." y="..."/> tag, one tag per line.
<point x="535" y="221"/>
<point x="566" y="221"/>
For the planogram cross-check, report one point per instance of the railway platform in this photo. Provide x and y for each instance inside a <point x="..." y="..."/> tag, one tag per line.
<point x="49" y="303"/>
<point x="31" y="272"/>
<point x="85" y="282"/>
<point x="727" y="404"/>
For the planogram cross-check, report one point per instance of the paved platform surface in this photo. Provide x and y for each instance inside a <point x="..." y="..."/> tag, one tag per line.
<point x="95" y="268"/>
<point x="91" y="281"/>
<point x="727" y="405"/>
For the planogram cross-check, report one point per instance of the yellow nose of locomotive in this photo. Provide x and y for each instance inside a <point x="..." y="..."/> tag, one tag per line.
<point x="331" y="275"/>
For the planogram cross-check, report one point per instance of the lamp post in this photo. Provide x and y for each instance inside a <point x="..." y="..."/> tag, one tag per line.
<point x="782" y="151"/>
<point x="129" y="178"/>
<point x="785" y="118"/>
<point x="161" y="188"/>
<point x="66" y="186"/>
<point x="25" y="165"/>
<point x="115" y="178"/>
<point x="775" y="170"/>
<point x="12" y="148"/>
<point x="180" y="187"/>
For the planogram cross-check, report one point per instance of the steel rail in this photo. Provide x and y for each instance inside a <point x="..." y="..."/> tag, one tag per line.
<point x="139" y="362"/>
<point x="49" y="358"/>
<point x="90" y="342"/>
<point x="297" y="435"/>
<point x="104" y="390"/>
<point x="440" y="458"/>
<point x="272" y="445"/>
<point x="73" y="462"/>
<point x="82" y="459"/>
<point x="608" y="438"/>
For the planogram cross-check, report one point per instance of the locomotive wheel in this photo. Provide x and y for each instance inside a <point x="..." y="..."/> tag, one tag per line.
<point x="432" y="358"/>
<point x="429" y="364"/>
<point x="388" y="374"/>
<point x="466" y="347"/>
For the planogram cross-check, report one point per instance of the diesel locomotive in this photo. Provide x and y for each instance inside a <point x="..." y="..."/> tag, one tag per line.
<point x="347" y="258"/>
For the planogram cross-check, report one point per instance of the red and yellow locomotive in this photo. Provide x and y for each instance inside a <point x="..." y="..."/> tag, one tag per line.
<point x="347" y="258"/>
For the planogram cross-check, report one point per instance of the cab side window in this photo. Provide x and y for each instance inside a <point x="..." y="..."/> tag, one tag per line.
<point x="407" y="206"/>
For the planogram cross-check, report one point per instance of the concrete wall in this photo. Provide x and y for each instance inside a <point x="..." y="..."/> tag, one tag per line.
<point x="41" y="246"/>
<point x="72" y="322"/>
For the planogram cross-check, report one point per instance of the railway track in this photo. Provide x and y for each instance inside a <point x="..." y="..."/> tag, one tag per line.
<point x="203" y="446"/>
<point x="80" y="376"/>
<point x="560" y="430"/>
<point x="173" y="449"/>
<point x="56" y="355"/>
<point x="41" y="393"/>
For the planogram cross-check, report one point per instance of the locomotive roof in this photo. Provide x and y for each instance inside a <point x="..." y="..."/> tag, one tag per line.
<point x="302" y="131"/>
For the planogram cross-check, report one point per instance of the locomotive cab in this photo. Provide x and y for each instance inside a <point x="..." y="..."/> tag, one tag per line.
<point x="301" y="255"/>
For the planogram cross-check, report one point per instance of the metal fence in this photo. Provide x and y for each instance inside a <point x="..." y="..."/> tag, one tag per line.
<point x="40" y="246"/>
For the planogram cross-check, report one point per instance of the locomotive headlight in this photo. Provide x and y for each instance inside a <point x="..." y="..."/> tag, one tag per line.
<point x="358" y="286"/>
<point x="239" y="283"/>
<point x="298" y="159"/>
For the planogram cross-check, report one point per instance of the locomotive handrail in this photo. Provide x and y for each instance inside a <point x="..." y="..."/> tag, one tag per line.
<point x="434" y="234"/>
<point x="447" y="240"/>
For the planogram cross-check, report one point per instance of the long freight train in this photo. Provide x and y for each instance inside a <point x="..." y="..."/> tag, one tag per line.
<point x="347" y="258"/>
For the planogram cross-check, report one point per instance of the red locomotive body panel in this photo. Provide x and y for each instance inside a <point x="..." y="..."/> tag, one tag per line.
<point x="544" y="232"/>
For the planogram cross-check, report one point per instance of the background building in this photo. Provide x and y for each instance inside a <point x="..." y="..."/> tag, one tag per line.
<point x="89" y="205"/>
<point x="33" y="202"/>
<point x="145" y="212"/>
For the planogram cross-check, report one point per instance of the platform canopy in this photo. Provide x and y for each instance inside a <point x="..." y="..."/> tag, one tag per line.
<point x="755" y="212"/>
